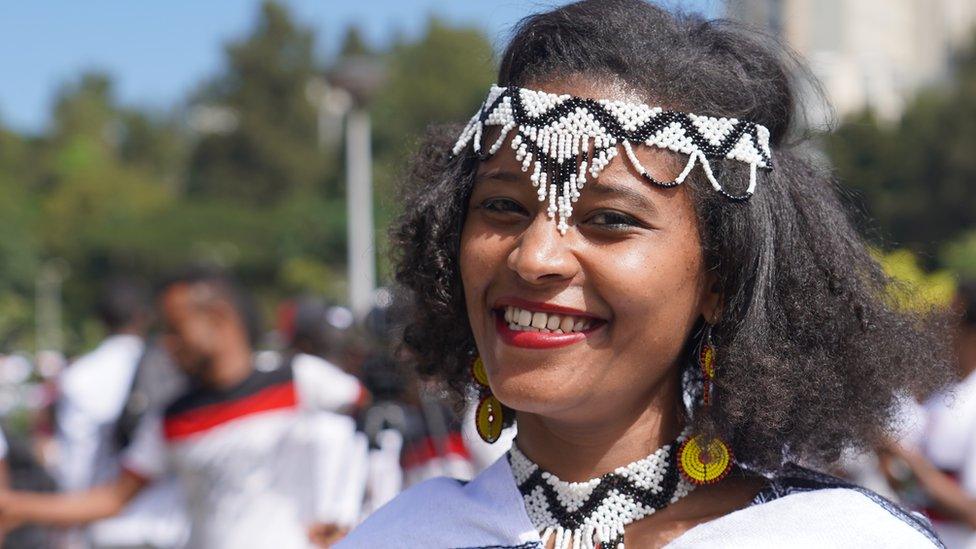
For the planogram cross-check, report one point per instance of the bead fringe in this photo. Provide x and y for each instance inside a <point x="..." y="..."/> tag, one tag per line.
<point x="554" y="134"/>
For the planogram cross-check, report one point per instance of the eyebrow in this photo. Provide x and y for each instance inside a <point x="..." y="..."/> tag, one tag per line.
<point x="501" y="175"/>
<point x="634" y="198"/>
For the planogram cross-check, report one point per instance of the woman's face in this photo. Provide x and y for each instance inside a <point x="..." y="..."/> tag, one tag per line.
<point x="618" y="293"/>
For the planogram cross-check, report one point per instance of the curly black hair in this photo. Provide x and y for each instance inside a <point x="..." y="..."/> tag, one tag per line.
<point x="812" y="358"/>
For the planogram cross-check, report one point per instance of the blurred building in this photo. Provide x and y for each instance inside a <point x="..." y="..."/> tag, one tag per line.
<point x="876" y="53"/>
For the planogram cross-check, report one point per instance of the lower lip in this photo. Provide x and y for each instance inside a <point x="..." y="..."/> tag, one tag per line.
<point x="537" y="340"/>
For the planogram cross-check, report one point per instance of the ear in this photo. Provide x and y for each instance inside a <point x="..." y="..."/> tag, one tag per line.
<point x="712" y="301"/>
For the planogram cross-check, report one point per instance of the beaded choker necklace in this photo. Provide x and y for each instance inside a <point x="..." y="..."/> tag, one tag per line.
<point x="582" y="514"/>
<point x="566" y="138"/>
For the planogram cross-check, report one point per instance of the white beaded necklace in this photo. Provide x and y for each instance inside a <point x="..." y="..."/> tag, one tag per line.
<point x="582" y="514"/>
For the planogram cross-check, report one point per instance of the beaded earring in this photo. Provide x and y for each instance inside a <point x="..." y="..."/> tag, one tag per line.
<point x="704" y="460"/>
<point x="488" y="417"/>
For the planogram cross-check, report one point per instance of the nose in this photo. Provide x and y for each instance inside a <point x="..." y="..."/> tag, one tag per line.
<point x="543" y="255"/>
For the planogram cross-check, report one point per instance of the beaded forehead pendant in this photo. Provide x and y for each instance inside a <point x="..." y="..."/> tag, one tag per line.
<point x="564" y="139"/>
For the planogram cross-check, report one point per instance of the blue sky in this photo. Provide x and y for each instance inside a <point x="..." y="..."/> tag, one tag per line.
<point x="158" y="50"/>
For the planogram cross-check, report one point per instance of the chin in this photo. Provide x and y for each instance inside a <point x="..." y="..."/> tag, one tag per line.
<point x="537" y="393"/>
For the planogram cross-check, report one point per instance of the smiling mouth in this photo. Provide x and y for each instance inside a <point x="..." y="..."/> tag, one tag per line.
<point x="524" y="320"/>
<point x="530" y="329"/>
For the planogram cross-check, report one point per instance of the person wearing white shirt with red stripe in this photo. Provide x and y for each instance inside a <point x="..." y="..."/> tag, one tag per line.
<point x="245" y="442"/>
<point x="92" y="393"/>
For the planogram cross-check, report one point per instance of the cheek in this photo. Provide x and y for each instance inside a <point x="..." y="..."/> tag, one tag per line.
<point x="481" y="256"/>
<point x="200" y="337"/>
<point x="655" y="287"/>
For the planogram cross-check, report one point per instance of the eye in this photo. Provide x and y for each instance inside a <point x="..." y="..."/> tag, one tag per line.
<point x="613" y="220"/>
<point x="502" y="206"/>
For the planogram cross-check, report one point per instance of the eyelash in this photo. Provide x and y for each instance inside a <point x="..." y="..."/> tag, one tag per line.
<point x="622" y="221"/>
<point x="618" y="221"/>
<point x="491" y="204"/>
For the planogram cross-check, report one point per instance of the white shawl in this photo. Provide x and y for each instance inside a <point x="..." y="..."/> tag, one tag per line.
<point x="803" y="509"/>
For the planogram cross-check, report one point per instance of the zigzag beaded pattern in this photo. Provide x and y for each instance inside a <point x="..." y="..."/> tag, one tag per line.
<point x="557" y="131"/>
<point x="599" y="509"/>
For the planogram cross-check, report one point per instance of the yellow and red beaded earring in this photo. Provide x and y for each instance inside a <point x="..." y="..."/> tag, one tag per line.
<point x="488" y="417"/>
<point x="703" y="459"/>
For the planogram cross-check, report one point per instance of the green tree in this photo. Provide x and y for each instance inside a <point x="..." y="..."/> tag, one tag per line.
<point x="19" y="248"/>
<point x="442" y="77"/>
<point x="353" y="44"/>
<point x="916" y="177"/>
<point x="272" y="149"/>
<point x="91" y="192"/>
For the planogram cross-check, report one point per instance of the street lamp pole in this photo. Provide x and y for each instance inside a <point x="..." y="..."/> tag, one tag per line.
<point x="359" y="204"/>
<point x="360" y="77"/>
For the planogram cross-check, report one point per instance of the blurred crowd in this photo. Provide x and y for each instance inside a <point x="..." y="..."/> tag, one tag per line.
<point x="189" y="425"/>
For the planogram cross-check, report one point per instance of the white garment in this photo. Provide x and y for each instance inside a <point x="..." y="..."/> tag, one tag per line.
<point x="385" y="476"/>
<point x="262" y="461"/>
<point x="324" y="386"/>
<point x="949" y="442"/>
<point x="93" y="391"/>
<point x="489" y="512"/>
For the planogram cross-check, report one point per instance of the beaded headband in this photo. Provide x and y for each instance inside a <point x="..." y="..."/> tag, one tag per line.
<point x="557" y="131"/>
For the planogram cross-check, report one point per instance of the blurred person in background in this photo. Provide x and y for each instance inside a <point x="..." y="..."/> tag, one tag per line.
<point x="306" y="327"/>
<point x="4" y="468"/>
<point x="93" y="392"/>
<point x="21" y="470"/>
<point x="939" y="469"/>
<point x="414" y="435"/>
<point x="239" y="439"/>
<point x="4" y="471"/>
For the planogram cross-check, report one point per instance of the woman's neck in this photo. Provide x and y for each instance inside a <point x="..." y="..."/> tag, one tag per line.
<point x="580" y="450"/>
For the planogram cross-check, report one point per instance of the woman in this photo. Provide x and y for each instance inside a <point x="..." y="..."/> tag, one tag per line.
<point x="669" y="302"/>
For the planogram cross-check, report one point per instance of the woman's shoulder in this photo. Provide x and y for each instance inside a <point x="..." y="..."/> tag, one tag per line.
<point x="813" y="509"/>
<point x="445" y="512"/>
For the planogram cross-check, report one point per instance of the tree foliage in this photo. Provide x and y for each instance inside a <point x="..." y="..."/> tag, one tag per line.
<point x="916" y="177"/>
<point x="272" y="150"/>
<point x="108" y="188"/>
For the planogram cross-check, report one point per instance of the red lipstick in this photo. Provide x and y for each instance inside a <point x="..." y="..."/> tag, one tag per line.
<point x="530" y="339"/>
<point x="542" y="307"/>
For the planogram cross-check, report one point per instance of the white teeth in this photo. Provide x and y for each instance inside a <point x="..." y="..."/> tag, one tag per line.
<point x="539" y="320"/>
<point x="536" y="321"/>
<point x="566" y="324"/>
